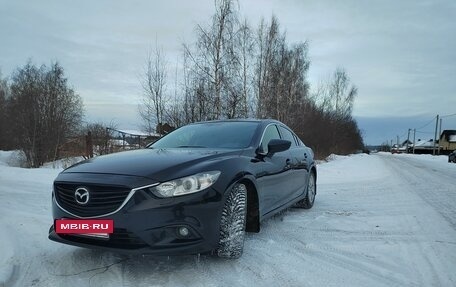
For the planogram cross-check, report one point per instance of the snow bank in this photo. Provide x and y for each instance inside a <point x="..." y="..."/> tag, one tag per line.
<point x="352" y="168"/>
<point x="13" y="158"/>
<point x="425" y="157"/>
<point x="63" y="163"/>
<point x="17" y="158"/>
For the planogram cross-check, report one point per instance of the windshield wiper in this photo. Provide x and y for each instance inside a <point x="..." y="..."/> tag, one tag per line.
<point x="191" y="146"/>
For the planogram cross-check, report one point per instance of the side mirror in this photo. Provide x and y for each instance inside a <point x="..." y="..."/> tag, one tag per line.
<point x="276" y="145"/>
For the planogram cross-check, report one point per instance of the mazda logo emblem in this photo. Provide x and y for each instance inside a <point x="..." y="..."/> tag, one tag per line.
<point x="81" y="195"/>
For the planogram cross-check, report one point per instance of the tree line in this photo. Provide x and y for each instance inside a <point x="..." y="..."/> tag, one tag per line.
<point x="38" y="112"/>
<point x="232" y="70"/>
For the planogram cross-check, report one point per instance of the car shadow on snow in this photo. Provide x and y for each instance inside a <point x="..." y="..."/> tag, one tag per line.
<point x="102" y="266"/>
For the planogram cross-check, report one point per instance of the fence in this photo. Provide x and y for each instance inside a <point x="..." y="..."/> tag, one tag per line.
<point x="110" y="141"/>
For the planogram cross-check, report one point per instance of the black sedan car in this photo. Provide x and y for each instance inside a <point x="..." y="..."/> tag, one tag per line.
<point x="196" y="190"/>
<point x="452" y="157"/>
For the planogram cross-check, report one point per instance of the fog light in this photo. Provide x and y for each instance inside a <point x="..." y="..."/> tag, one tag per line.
<point x="183" y="231"/>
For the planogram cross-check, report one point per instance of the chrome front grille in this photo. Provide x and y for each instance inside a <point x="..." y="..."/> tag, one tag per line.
<point x="102" y="200"/>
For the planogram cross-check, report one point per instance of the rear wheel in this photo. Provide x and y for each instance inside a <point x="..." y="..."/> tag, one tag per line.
<point x="308" y="201"/>
<point x="232" y="224"/>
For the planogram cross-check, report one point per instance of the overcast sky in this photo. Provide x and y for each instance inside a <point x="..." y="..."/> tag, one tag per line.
<point x="400" y="54"/>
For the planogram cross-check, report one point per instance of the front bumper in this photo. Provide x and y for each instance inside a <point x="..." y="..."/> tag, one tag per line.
<point x="148" y="225"/>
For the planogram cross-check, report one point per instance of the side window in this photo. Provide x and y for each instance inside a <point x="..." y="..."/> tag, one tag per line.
<point x="287" y="135"/>
<point x="270" y="133"/>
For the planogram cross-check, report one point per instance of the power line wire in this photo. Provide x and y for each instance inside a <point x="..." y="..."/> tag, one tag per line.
<point x="431" y="121"/>
<point x="447" y="116"/>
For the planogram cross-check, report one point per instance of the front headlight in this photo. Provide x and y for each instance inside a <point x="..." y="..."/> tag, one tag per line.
<point x="186" y="185"/>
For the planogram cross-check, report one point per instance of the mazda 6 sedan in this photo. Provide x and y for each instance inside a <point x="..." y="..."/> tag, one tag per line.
<point x="196" y="190"/>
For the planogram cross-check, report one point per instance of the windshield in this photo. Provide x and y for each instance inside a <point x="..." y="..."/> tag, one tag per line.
<point x="231" y="135"/>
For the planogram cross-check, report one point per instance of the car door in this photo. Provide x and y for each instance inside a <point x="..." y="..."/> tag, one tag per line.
<point x="273" y="173"/>
<point x="299" y="156"/>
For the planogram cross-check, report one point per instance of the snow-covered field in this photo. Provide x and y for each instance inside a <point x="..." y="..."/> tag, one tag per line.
<point x="378" y="220"/>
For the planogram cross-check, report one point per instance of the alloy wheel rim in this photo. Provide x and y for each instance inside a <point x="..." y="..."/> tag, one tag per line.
<point x="311" y="190"/>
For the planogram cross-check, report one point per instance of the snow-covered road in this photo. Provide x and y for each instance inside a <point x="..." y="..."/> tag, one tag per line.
<point x="378" y="220"/>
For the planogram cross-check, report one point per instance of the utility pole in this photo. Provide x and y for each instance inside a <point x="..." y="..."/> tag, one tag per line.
<point x="397" y="146"/>
<point x="414" y="134"/>
<point x="435" y="135"/>
<point x="408" y="137"/>
<point x="440" y="133"/>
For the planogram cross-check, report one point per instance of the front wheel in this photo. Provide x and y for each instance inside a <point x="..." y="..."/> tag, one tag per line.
<point x="308" y="201"/>
<point x="232" y="224"/>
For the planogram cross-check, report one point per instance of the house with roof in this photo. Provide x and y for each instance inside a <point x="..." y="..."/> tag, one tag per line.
<point x="424" y="146"/>
<point x="407" y="143"/>
<point x="447" y="141"/>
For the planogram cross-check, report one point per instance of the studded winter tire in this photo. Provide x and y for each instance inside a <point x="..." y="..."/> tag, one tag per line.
<point x="232" y="224"/>
<point x="308" y="201"/>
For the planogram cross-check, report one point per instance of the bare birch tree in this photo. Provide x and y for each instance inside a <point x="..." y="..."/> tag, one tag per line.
<point x="268" y="44"/>
<point x="211" y="58"/>
<point x="152" y="109"/>
<point x="244" y="50"/>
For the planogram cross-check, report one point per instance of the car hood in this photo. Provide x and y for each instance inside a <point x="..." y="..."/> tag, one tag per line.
<point x="155" y="164"/>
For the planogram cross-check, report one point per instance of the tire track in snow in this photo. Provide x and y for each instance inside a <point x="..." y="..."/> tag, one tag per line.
<point x="435" y="189"/>
<point x="349" y="259"/>
<point x="437" y="194"/>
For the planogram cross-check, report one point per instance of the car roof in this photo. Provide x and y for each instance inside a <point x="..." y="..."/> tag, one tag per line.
<point x="241" y="120"/>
